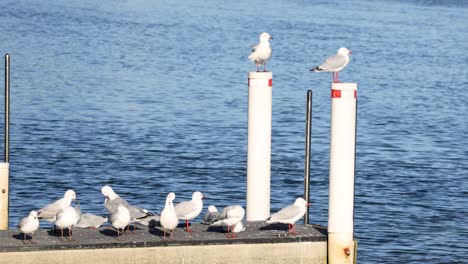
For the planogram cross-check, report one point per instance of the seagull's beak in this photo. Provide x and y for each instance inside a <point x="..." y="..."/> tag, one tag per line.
<point x="309" y="204"/>
<point x="271" y="37"/>
<point x="350" y="52"/>
<point x="204" y="197"/>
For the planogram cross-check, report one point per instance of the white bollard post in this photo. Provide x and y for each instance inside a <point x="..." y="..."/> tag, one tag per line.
<point x="342" y="168"/>
<point x="4" y="191"/>
<point x="259" y="146"/>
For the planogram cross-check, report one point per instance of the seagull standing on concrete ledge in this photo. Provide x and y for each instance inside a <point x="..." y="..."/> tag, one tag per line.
<point x="290" y="214"/>
<point x="230" y="216"/>
<point x="262" y="51"/>
<point x="168" y="219"/>
<point x="28" y="225"/>
<point x="334" y="63"/>
<point x="188" y="210"/>
<point x="49" y="212"/>
<point x="113" y="200"/>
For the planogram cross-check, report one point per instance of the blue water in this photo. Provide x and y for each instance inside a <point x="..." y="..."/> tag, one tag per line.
<point x="150" y="96"/>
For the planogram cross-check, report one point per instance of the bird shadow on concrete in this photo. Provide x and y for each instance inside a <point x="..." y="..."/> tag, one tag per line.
<point x="19" y="236"/>
<point x="275" y="226"/>
<point x="109" y="232"/>
<point x="216" y="229"/>
<point x="156" y="231"/>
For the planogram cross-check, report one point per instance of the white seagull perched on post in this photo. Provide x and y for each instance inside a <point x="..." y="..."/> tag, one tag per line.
<point x="169" y="219"/>
<point x="290" y="214"/>
<point x="188" y="210"/>
<point x="230" y="216"/>
<point x="334" y="63"/>
<point x="49" y="212"/>
<point x="28" y="225"/>
<point x="262" y="51"/>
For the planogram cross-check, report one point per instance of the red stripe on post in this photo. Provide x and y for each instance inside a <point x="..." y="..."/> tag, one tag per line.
<point x="335" y="93"/>
<point x="270" y="82"/>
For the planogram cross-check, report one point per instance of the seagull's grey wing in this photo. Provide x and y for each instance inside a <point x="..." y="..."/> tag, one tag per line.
<point x="50" y="211"/>
<point x="137" y="212"/>
<point x="286" y="213"/>
<point x="333" y="62"/>
<point x="111" y="205"/>
<point x="150" y="221"/>
<point x="185" y="208"/>
<point x="210" y="217"/>
<point x="90" y="220"/>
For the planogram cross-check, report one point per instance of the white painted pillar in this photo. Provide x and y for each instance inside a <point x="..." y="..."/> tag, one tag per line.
<point x="342" y="166"/>
<point x="4" y="191"/>
<point x="259" y="146"/>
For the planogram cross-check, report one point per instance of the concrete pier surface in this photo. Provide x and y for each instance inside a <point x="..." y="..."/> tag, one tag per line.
<point x="259" y="243"/>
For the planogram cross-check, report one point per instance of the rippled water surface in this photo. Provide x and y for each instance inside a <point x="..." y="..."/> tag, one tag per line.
<point x="151" y="97"/>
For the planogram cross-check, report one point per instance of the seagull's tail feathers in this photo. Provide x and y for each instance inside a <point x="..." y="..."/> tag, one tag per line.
<point x="316" y="69"/>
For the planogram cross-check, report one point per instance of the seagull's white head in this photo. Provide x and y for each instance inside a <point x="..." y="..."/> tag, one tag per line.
<point x="265" y="37"/>
<point x="198" y="196"/>
<point x="344" y="51"/>
<point x="70" y="194"/>
<point x="108" y="192"/>
<point x="212" y="209"/>
<point x="33" y="214"/>
<point x="170" y="197"/>
<point x="301" y="202"/>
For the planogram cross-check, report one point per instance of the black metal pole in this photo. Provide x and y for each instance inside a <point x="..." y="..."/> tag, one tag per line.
<point x="7" y="107"/>
<point x="307" y="153"/>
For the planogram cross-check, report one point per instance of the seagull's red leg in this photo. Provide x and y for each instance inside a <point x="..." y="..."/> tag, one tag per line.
<point x="233" y="235"/>
<point x="188" y="227"/>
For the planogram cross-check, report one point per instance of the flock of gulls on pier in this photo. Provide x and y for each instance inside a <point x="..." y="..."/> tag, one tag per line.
<point x="121" y="215"/>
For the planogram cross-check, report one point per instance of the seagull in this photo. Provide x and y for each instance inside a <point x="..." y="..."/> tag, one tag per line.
<point x="67" y="219"/>
<point x="113" y="200"/>
<point x="230" y="216"/>
<point x="290" y="214"/>
<point x="169" y="219"/>
<point x="188" y="210"/>
<point x="261" y="52"/>
<point x="92" y="221"/>
<point x="210" y="215"/>
<point x="49" y="212"/>
<point x="334" y="63"/>
<point x="28" y="225"/>
<point x="120" y="218"/>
